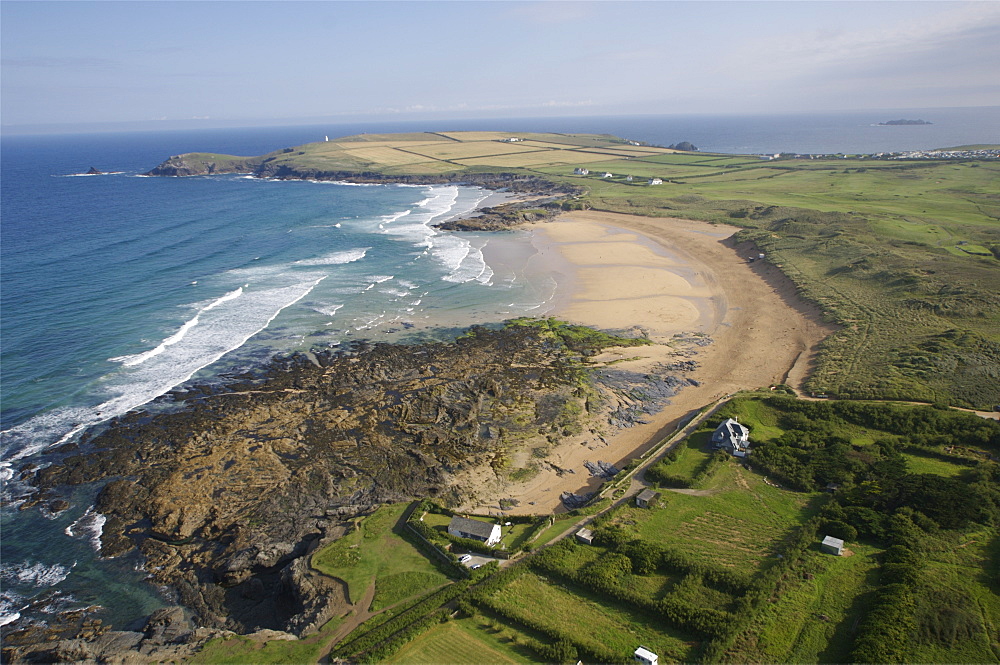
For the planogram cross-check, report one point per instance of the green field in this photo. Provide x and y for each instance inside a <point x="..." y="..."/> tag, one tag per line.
<point x="599" y="625"/>
<point x="239" y="650"/>
<point x="469" y="641"/>
<point x="812" y="618"/>
<point x="375" y="552"/>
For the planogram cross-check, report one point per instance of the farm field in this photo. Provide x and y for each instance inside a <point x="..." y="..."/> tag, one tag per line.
<point x="813" y="617"/>
<point x="375" y="552"/>
<point x="739" y="523"/>
<point x="465" y="642"/>
<point x="597" y="625"/>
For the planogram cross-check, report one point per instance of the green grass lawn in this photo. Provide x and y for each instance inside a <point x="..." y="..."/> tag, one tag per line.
<point x="922" y="464"/>
<point x="813" y="615"/>
<point x="469" y="641"/>
<point x="601" y="625"/>
<point x="958" y="604"/>
<point x="239" y="650"/>
<point x="739" y="524"/>
<point x="551" y="533"/>
<point x="375" y="551"/>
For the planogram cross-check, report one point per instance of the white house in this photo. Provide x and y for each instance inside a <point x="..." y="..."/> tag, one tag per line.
<point x="463" y="527"/>
<point x="732" y="436"/>
<point x="607" y="175"/>
<point x="644" y="655"/>
<point x="655" y="181"/>
<point x="581" y="171"/>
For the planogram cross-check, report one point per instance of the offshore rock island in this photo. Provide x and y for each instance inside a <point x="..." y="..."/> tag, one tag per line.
<point x="725" y="287"/>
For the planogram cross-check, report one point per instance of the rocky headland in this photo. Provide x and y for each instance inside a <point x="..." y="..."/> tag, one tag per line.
<point x="228" y="489"/>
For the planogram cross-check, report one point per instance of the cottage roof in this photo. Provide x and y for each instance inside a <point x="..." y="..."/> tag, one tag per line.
<point x="647" y="495"/>
<point x="585" y="533"/>
<point x="731" y="430"/>
<point x="475" y="527"/>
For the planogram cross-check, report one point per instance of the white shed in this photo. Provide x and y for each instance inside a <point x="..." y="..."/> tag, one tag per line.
<point x="644" y="655"/>
<point x="832" y="545"/>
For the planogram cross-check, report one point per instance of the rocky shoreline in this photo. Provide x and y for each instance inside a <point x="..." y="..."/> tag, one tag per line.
<point x="227" y="494"/>
<point x="538" y="199"/>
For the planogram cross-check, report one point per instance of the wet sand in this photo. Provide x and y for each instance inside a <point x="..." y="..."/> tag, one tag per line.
<point x="665" y="276"/>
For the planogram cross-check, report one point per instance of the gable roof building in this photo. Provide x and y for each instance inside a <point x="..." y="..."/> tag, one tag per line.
<point x="644" y="498"/>
<point x="732" y="436"/>
<point x="463" y="527"/>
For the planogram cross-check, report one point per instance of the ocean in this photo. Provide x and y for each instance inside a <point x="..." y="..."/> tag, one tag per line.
<point x="117" y="287"/>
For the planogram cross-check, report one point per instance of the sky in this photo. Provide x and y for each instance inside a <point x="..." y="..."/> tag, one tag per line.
<point x="75" y="63"/>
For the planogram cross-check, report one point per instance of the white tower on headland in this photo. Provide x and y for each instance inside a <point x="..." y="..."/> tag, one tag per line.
<point x="326" y="138"/>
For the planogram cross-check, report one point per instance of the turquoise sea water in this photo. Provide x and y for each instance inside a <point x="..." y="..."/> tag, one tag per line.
<point x="116" y="288"/>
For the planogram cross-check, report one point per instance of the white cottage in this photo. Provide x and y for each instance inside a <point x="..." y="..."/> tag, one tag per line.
<point x="463" y="527"/>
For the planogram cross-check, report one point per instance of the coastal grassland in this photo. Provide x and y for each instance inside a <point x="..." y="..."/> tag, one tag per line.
<point x="375" y="552"/>
<point x="468" y="641"/>
<point x="240" y="650"/>
<point x="957" y="604"/>
<point x="813" y="617"/>
<point x="738" y="520"/>
<point x="591" y="622"/>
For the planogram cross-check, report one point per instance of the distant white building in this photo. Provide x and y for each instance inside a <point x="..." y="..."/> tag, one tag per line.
<point x="607" y="175"/>
<point x="581" y="171"/>
<point x="655" y="181"/>
<point x="463" y="527"/>
<point x="629" y="178"/>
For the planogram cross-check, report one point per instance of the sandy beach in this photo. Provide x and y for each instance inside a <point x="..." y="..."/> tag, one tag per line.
<point x="665" y="276"/>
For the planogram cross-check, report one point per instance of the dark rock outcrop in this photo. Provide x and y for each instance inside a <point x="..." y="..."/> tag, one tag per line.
<point x="227" y="496"/>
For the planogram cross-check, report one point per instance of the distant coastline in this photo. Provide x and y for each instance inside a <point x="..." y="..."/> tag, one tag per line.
<point x="901" y="121"/>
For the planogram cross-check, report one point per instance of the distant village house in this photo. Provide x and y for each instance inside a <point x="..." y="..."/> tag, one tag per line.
<point x="463" y="527"/>
<point x="655" y="181"/>
<point x="732" y="436"/>
<point x="581" y="171"/>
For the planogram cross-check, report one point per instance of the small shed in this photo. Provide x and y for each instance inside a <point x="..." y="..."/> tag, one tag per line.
<point x="644" y="655"/>
<point x="646" y="498"/>
<point x="655" y="181"/>
<point x="581" y="171"/>
<point x="463" y="527"/>
<point x="585" y="536"/>
<point x="832" y="545"/>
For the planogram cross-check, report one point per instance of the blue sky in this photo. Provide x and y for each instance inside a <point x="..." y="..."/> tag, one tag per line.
<point x="235" y="62"/>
